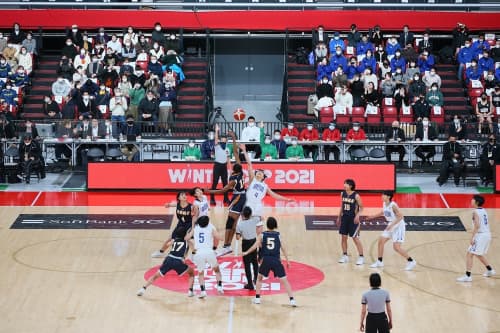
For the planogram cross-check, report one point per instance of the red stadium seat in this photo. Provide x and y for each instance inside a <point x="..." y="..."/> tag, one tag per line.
<point x="390" y="114"/>
<point x="437" y="114"/>
<point x="326" y="114"/>
<point x="474" y="91"/>
<point x="342" y="117"/>
<point x="388" y="101"/>
<point x="373" y="115"/>
<point x="406" y="115"/>
<point x="358" y="114"/>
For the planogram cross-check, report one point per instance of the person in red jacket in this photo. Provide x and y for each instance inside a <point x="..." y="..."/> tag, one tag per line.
<point x="332" y="134"/>
<point x="288" y="132"/>
<point x="310" y="134"/>
<point x="356" y="133"/>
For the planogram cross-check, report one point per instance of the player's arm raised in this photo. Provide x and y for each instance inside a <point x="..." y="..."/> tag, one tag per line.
<point x="216" y="137"/>
<point x="360" y="208"/>
<point x="235" y="147"/>
<point x="195" y="212"/>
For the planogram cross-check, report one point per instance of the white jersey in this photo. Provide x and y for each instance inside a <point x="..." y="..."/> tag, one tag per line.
<point x="255" y="195"/>
<point x="482" y="215"/>
<point x="203" y="237"/>
<point x="389" y="214"/>
<point x="202" y="205"/>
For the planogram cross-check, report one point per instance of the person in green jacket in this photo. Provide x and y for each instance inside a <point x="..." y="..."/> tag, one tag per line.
<point x="137" y="93"/>
<point x="268" y="150"/>
<point x="295" y="151"/>
<point x="434" y="96"/>
<point x="191" y="151"/>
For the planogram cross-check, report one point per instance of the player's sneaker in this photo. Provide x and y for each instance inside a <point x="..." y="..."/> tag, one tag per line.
<point x="223" y="251"/>
<point x="158" y="254"/>
<point x="360" y="261"/>
<point x="220" y="290"/>
<point x="377" y="264"/>
<point x="489" y="273"/>
<point x="410" y="265"/>
<point x="464" y="278"/>
<point x="343" y="259"/>
<point x="141" y="291"/>
<point x="256" y="301"/>
<point x="293" y="303"/>
<point x="190" y="293"/>
<point x="202" y="294"/>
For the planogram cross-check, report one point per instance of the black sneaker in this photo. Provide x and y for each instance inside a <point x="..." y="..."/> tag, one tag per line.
<point x="212" y="203"/>
<point x="248" y="286"/>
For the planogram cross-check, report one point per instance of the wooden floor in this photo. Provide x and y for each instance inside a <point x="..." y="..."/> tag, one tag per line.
<point x="85" y="281"/>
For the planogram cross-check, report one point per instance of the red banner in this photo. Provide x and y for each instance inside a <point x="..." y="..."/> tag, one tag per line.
<point x="280" y="176"/>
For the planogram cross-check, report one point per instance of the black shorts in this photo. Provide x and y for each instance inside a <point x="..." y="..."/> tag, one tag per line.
<point x="237" y="203"/>
<point x="186" y="226"/>
<point x="173" y="264"/>
<point x="347" y="226"/>
<point x="272" y="264"/>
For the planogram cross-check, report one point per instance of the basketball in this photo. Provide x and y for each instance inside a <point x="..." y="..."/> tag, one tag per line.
<point x="239" y="114"/>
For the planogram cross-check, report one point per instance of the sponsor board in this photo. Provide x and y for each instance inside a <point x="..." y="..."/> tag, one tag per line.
<point x="413" y="223"/>
<point x="300" y="276"/>
<point x="91" y="221"/>
<point x="280" y="176"/>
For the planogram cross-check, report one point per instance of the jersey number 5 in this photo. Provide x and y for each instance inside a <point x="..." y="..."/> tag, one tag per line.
<point x="201" y="238"/>
<point x="270" y="244"/>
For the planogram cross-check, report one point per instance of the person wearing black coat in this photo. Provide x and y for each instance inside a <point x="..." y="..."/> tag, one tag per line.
<point x="490" y="156"/>
<point x="425" y="132"/>
<point x="453" y="162"/>
<point x="395" y="134"/>
<point x="30" y="157"/>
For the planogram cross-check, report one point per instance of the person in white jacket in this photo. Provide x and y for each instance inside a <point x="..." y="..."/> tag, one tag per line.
<point x="118" y="107"/>
<point x="25" y="59"/>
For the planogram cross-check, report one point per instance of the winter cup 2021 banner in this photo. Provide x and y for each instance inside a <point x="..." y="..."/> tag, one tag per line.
<point x="280" y="176"/>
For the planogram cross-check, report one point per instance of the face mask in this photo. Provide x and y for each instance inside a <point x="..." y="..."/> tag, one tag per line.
<point x="69" y="43"/>
<point x="490" y="77"/>
<point x="290" y="127"/>
<point x="398" y="54"/>
<point x="398" y="71"/>
<point x="356" y="128"/>
<point x="191" y="144"/>
<point x="172" y="37"/>
<point x="85" y="98"/>
<point x="124" y="80"/>
<point x="8" y="87"/>
<point x="338" y="52"/>
<point x="426" y="38"/>
<point x="309" y="128"/>
<point x="211" y="136"/>
<point x="102" y="87"/>
<point x="60" y="80"/>
<point x="434" y="88"/>
<point x="2" y="61"/>
<point x="153" y="61"/>
<point x="456" y="121"/>
<point x="158" y="28"/>
<point x="130" y="31"/>
<point x="337" y="38"/>
<point x="325" y="81"/>
<point x="127" y="44"/>
<point x="223" y="145"/>
<point x="425" y="122"/>
<point x="277" y="137"/>
<point x="294" y="142"/>
<point x="252" y="124"/>
<point x="331" y="127"/>
<point x="47" y="100"/>
<point x="368" y="55"/>
<point x="101" y="33"/>
<point x="155" y="46"/>
<point x="20" y="72"/>
<point x="483" y="98"/>
<point x="467" y="45"/>
<point x="118" y="94"/>
<point x="267" y="141"/>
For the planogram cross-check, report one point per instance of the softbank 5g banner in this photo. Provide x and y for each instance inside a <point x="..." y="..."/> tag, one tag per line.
<point x="280" y="176"/>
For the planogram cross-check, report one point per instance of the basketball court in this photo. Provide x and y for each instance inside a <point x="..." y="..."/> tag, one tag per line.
<point x="73" y="261"/>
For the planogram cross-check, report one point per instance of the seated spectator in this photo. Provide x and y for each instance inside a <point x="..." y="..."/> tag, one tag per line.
<point x="400" y="78"/>
<point x="30" y="156"/>
<point x="484" y="112"/>
<point x="136" y="95"/>
<point x="288" y="132"/>
<point x="497" y="74"/>
<point x="395" y="134"/>
<point x="279" y="144"/>
<point x="434" y="96"/>
<point x="3" y="42"/>
<point x="114" y="44"/>
<point x="401" y="99"/>
<point x="208" y="146"/>
<point x="131" y="35"/>
<point x="387" y="86"/>
<point x="369" y="62"/>
<point x="125" y="86"/>
<point x="336" y="41"/>
<point x="294" y="151"/>
<point x="337" y="59"/>
<point x="398" y="62"/>
<point x="110" y="77"/>
<point x="25" y="60"/>
<point x="384" y="69"/>
<point x="357" y="91"/>
<point x="153" y="84"/>
<point x="149" y="108"/>
<point x="126" y="68"/>
<point x="130" y="151"/>
<point x="369" y="77"/>
<point x="425" y="44"/>
<point x="309" y="134"/>
<point x="480" y="45"/>
<point x="90" y="87"/>
<point x="191" y="152"/>
<point x="68" y="110"/>
<point x="155" y="67"/>
<point x="372" y="98"/>
<point x="381" y="57"/>
<point x="156" y="51"/>
<point x="101" y="37"/>
<point x="20" y="78"/>
<point x="354" y="36"/>
<point x="331" y="134"/>
<point x="323" y="69"/>
<point x="65" y="69"/>
<point x="425" y="62"/>
<point x="79" y="76"/>
<point x="138" y="76"/>
<point x="343" y="101"/>
<point x="417" y="88"/>
<point x="268" y="150"/>
<point x="432" y="77"/>
<point x="409" y="53"/>
<point x="65" y="130"/>
<point x="464" y="56"/>
<point x="453" y="162"/>
<point x="352" y="69"/>
<point x="363" y="46"/>
<point x="490" y="156"/>
<point x="99" y="51"/>
<point x="421" y="109"/>
<point x="143" y="45"/>
<point x="7" y="130"/>
<point x="118" y="107"/>
<point x="128" y="51"/>
<point x="375" y="36"/>
<point x="5" y="70"/>
<point x="339" y="78"/>
<point x="87" y="107"/>
<point x="425" y="132"/>
<point x="355" y="133"/>
<point x="486" y="64"/>
<point x="324" y="88"/>
<point x="102" y="100"/>
<point x="495" y="96"/>
<point x="323" y="102"/>
<point x="458" y="129"/>
<point x="8" y="94"/>
<point x="494" y="51"/>
<point x="392" y="48"/>
<point x="97" y="130"/>
<point x="490" y="83"/>
<point x="82" y="60"/>
<point x="49" y="106"/>
<point x="411" y="70"/>
<point x="251" y="133"/>
<point x="110" y="59"/>
<point x="473" y="72"/>
<point x="69" y="50"/>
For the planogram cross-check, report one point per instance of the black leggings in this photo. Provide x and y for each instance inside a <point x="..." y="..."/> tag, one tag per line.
<point x="250" y="260"/>
<point x="377" y="323"/>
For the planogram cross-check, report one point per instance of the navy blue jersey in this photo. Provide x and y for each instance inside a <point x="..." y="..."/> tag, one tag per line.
<point x="349" y="204"/>
<point x="184" y="215"/>
<point x="179" y="248"/>
<point x="239" y="186"/>
<point x="271" y="244"/>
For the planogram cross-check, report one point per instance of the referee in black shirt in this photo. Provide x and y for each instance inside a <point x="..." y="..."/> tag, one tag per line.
<point x="376" y="300"/>
<point x="220" y="165"/>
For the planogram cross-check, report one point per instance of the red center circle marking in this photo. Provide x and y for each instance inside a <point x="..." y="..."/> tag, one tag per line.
<point x="300" y="276"/>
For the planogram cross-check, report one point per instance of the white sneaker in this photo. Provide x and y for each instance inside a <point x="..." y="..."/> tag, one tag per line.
<point x="410" y="265"/>
<point x="464" y="278"/>
<point x="220" y="290"/>
<point x="293" y="303"/>
<point x="360" y="261"/>
<point x="223" y="251"/>
<point x="343" y="259"/>
<point x="190" y="293"/>
<point x="489" y="273"/>
<point x="377" y="264"/>
<point x="158" y="254"/>
<point x="256" y="301"/>
<point x="141" y="291"/>
<point x="202" y="294"/>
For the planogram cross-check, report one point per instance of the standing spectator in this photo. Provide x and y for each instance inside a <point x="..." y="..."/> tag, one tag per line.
<point x="425" y="44"/>
<point x="457" y="128"/>
<point x="460" y="36"/>
<point x="320" y="42"/>
<point x="149" y="108"/>
<point x="136" y="94"/>
<point x="331" y="134"/>
<point x="375" y="302"/>
<point x="251" y="133"/>
<point x="309" y="134"/>
<point x="118" y="107"/>
<point x="353" y="37"/>
<point x="421" y="109"/>
<point x="395" y="134"/>
<point x="375" y="36"/>
<point x="425" y="132"/>
<point x="130" y="151"/>
<point x="157" y="35"/>
<point x="343" y="101"/>
<point x="490" y="156"/>
<point x="16" y="35"/>
<point x="406" y="37"/>
<point x="431" y="78"/>
<point x="434" y="96"/>
<point x="75" y="36"/>
<point x="280" y="144"/>
<point x="208" y="146"/>
<point x="465" y="56"/>
<point x="453" y="162"/>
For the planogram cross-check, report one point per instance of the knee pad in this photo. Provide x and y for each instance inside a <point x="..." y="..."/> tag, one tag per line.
<point x="229" y="223"/>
